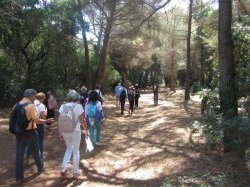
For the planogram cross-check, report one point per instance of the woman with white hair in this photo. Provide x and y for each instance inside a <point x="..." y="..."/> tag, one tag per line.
<point x="72" y="140"/>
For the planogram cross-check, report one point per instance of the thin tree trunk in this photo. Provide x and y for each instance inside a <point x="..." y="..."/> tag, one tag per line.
<point x="187" y="85"/>
<point x="85" y="43"/>
<point x="172" y="71"/>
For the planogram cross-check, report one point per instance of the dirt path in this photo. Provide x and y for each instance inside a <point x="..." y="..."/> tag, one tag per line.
<point x="153" y="145"/>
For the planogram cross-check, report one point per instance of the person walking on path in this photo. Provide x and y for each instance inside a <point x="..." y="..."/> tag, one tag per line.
<point x="83" y="96"/>
<point x="131" y="99"/>
<point x="73" y="139"/>
<point x="94" y="117"/>
<point x="137" y="95"/>
<point x="42" y="113"/>
<point x="51" y="104"/>
<point x="98" y="90"/>
<point x="29" y="137"/>
<point x="117" y="94"/>
<point x="123" y="97"/>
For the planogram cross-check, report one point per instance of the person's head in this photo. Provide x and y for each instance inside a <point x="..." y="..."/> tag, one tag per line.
<point x="30" y="94"/>
<point x="93" y="96"/>
<point x="77" y="89"/>
<point x="84" y="89"/>
<point x="97" y="87"/>
<point x="136" y="86"/>
<point x="40" y="96"/>
<point x="132" y="87"/>
<point x="72" y="96"/>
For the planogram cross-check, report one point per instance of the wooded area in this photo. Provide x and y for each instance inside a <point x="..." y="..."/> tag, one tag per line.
<point x="61" y="44"/>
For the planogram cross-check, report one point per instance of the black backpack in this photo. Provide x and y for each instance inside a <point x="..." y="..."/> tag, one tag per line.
<point x="123" y="95"/>
<point x="131" y="96"/>
<point x="18" y="121"/>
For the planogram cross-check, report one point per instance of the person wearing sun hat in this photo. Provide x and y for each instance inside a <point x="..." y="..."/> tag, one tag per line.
<point x="29" y="137"/>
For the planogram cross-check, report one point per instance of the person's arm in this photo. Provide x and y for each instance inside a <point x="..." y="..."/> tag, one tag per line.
<point x="43" y="115"/>
<point x="84" y="124"/>
<point x="33" y="115"/>
<point x="44" y="121"/>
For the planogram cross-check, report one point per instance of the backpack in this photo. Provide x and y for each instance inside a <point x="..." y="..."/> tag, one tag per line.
<point x="18" y="121"/>
<point x="137" y="92"/>
<point x="123" y="95"/>
<point x="66" y="120"/>
<point x="95" y="115"/>
<point x="131" y="95"/>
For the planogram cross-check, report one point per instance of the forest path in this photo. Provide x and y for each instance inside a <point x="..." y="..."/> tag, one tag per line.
<point x="153" y="144"/>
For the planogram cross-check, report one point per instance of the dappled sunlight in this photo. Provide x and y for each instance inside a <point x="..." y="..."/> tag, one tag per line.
<point x="142" y="149"/>
<point x="148" y="144"/>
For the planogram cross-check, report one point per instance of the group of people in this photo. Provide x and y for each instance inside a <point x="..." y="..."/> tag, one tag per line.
<point x="122" y="94"/>
<point x="41" y="111"/>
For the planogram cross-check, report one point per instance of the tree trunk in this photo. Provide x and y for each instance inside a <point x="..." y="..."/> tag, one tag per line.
<point x="172" y="70"/>
<point x="85" y="43"/>
<point x="187" y="85"/>
<point x="103" y="53"/>
<point x="227" y="88"/>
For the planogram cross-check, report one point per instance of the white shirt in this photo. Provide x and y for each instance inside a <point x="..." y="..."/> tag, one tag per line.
<point x="78" y="110"/>
<point x="40" y="107"/>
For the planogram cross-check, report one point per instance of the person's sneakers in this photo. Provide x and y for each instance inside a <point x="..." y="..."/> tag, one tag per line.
<point x="77" y="175"/>
<point x="98" y="144"/>
<point x="41" y="170"/>
<point x="64" y="173"/>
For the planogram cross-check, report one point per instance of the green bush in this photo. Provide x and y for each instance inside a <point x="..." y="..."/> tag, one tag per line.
<point x="234" y="132"/>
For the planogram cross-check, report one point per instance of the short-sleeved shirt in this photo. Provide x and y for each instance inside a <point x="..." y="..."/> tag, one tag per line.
<point x="40" y="107"/>
<point x="31" y="113"/>
<point x="78" y="110"/>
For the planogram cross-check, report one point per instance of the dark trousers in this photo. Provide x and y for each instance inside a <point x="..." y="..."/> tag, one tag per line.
<point x="131" y="105"/>
<point x="122" y="105"/>
<point x="136" y="101"/>
<point x="40" y="132"/>
<point x="29" y="139"/>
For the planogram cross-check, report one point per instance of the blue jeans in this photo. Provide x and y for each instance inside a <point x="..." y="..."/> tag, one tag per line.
<point x="40" y="131"/>
<point x="98" y="127"/>
<point x="30" y="139"/>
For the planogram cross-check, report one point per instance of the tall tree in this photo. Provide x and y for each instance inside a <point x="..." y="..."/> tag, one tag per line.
<point x="187" y="85"/>
<point x="83" y="25"/>
<point x="227" y="87"/>
<point x="123" y="17"/>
